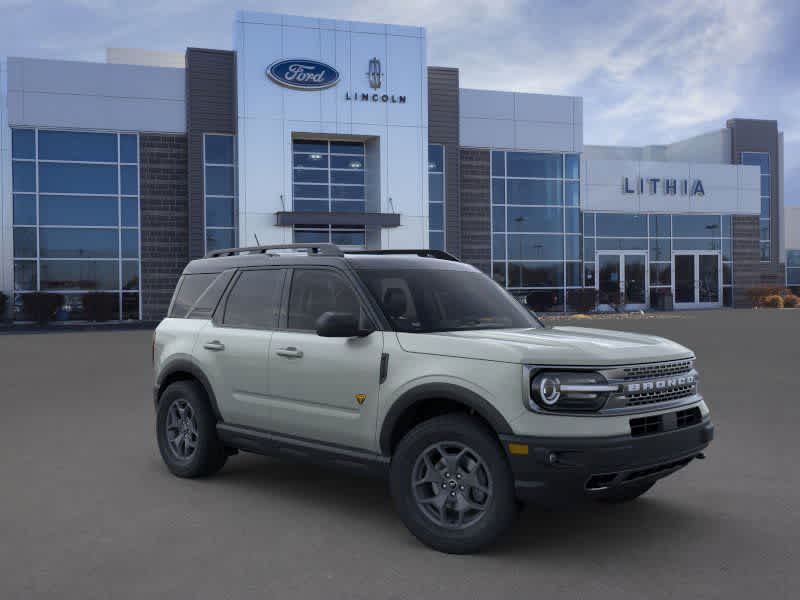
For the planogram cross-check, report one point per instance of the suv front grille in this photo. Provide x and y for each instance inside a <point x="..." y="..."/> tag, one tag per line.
<point x="660" y="396"/>
<point x="667" y="422"/>
<point x="657" y="370"/>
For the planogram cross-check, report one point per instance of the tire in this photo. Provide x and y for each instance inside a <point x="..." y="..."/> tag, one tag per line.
<point x="456" y="512"/>
<point x="184" y="411"/>
<point x="624" y="494"/>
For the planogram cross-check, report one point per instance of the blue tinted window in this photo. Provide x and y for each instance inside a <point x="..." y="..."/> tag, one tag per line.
<point x="128" y="149"/>
<point x="311" y="175"/>
<point x="538" y="220"/>
<point x="572" y="220"/>
<point x="436" y="188"/>
<point x="498" y="164"/>
<point x="310" y="146"/>
<point x="766" y="251"/>
<point x="573" y="274"/>
<point x="572" y="191"/>
<point x="588" y="249"/>
<point x="499" y="246"/>
<point x="219" y="238"/>
<point x="588" y="224"/>
<point x="532" y="274"/>
<point x="498" y="191"/>
<point x="129" y="184"/>
<point x="80" y="275"/>
<point x="338" y="162"/>
<point x="311" y="205"/>
<point x="535" y="247"/>
<point x="696" y="225"/>
<point x="435" y="158"/>
<point x="130" y="243"/>
<point x="309" y="237"/>
<point x="25" y="242"/>
<point x="77" y="210"/>
<point x="573" y="166"/>
<point x="320" y="161"/>
<point x="621" y="243"/>
<point x="348" y="206"/>
<point x="436" y="216"/>
<point x="25" y="275"/>
<point x="695" y="244"/>
<point x="310" y="191"/>
<point x="78" y="179"/>
<point x="765" y="208"/>
<point x="624" y="225"/>
<point x="23" y="143"/>
<point x="727" y="249"/>
<point x="219" y="181"/>
<point x="347" y="148"/>
<point x="347" y="192"/>
<point x="24" y="209"/>
<point x="727" y="225"/>
<point x="219" y="149"/>
<point x="498" y="218"/>
<point x="660" y="226"/>
<point x="660" y="249"/>
<point x="23" y="176"/>
<point x="357" y="177"/>
<point x="348" y="238"/>
<point x="759" y="159"/>
<point x="793" y="258"/>
<point x="529" y="164"/>
<point x="219" y="212"/>
<point x="130" y="275"/>
<point x="529" y="191"/>
<point x="130" y="212"/>
<point x="80" y="146"/>
<point x="436" y="240"/>
<point x="78" y="243"/>
<point x="765" y="185"/>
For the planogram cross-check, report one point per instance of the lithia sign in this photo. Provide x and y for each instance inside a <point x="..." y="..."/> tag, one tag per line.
<point x="667" y="186"/>
<point x="306" y="74"/>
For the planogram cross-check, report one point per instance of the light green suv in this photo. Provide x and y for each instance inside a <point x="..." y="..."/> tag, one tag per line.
<point x="415" y="366"/>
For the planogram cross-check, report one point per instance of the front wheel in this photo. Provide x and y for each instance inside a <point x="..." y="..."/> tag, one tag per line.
<point x="452" y="485"/>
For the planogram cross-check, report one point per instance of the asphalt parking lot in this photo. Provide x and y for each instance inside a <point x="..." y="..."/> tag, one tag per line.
<point x="87" y="509"/>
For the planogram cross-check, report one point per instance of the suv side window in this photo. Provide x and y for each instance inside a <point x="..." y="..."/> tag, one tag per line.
<point x="189" y="290"/>
<point x="254" y="300"/>
<point x="316" y="291"/>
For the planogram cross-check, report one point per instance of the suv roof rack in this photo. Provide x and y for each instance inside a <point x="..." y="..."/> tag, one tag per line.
<point x="311" y="249"/>
<point x="423" y="252"/>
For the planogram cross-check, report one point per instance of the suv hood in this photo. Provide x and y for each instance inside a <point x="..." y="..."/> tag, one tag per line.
<point x="564" y="346"/>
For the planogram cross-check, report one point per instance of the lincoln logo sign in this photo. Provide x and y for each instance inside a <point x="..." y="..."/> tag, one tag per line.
<point x="302" y="74"/>
<point x="667" y="186"/>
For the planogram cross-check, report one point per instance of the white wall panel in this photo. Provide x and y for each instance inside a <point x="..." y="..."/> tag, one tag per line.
<point x="486" y="133"/>
<point x="540" y="135"/>
<point x="486" y="104"/>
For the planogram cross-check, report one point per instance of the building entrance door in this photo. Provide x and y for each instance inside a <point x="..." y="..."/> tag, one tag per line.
<point x="697" y="279"/>
<point x="622" y="280"/>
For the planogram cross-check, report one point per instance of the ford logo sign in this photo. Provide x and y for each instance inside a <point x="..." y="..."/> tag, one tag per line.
<point x="303" y="74"/>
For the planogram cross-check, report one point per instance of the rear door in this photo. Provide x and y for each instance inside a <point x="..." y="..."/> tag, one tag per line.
<point x="233" y="348"/>
<point x="324" y="388"/>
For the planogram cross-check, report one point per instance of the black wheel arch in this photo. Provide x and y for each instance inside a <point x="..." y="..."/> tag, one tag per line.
<point x="430" y="393"/>
<point x="182" y="370"/>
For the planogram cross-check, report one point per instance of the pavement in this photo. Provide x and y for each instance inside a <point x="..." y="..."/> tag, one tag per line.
<point x="87" y="510"/>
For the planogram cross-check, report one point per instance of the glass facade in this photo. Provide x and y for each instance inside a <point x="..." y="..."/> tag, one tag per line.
<point x="659" y="235"/>
<point x="219" y="167"/>
<point x="793" y="268"/>
<point x="76" y="219"/>
<point x="328" y="176"/>
<point x="761" y="160"/>
<point x="536" y="241"/>
<point x="436" y="196"/>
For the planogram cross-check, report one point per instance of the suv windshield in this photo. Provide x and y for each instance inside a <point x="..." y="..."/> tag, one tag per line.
<point x="431" y="300"/>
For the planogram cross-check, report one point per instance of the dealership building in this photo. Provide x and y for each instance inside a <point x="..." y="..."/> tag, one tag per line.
<point x="113" y="175"/>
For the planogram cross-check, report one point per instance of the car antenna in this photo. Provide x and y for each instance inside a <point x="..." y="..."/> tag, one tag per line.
<point x="255" y="235"/>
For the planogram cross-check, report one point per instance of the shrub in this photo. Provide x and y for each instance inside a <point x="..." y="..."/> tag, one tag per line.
<point x="41" y="306"/>
<point x="758" y="295"/>
<point x="98" y="306"/>
<point x="773" y="301"/>
<point x="790" y="301"/>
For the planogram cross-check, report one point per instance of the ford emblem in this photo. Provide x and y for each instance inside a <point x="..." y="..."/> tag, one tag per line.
<point x="303" y="74"/>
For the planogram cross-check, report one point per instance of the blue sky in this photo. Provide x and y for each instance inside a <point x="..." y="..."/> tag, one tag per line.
<point x="649" y="72"/>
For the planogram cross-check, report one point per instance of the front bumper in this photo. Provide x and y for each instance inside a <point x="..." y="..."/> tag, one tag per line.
<point x="563" y="469"/>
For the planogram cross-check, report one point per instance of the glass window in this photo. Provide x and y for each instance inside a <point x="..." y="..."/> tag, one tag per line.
<point x="536" y="219"/>
<point x="219" y="212"/>
<point x="436" y="216"/>
<point x="205" y="305"/>
<point x="25" y="242"/>
<point x="545" y="300"/>
<point x="573" y="166"/>
<point x="498" y="218"/>
<point x="436" y="193"/>
<point x="727" y="273"/>
<point x="77" y="210"/>
<point x="765" y="251"/>
<point x="695" y="244"/>
<point x="572" y="220"/>
<point x="23" y="176"/>
<point x="660" y="226"/>
<point x="765" y="191"/>
<point x="216" y="239"/>
<point x="130" y="212"/>
<point x="530" y="191"/>
<point x="535" y="247"/>
<point x="316" y="291"/>
<point x="25" y="275"/>
<point x="348" y="238"/>
<point x="498" y="163"/>
<point x="128" y="148"/>
<point x="621" y="243"/>
<point x="763" y="227"/>
<point x="188" y="291"/>
<point x="130" y="275"/>
<point x="534" y="274"/>
<point x="339" y="162"/>
<point x="759" y="159"/>
<point x="347" y="148"/>
<point x="311" y="236"/>
<point x="80" y="275"/>
<point x="24" y="209"/>
<point x="311" y="205"/>
<point x="573" y="274"/>
<point x="588" y="249"/>
<point x="347" y="206"/>
<point x="660" y="249"/>
<point x="347" y="192"/>
<point x="529" y="164"/>
<point x="765" y="207"/>
<point x="23" y="143"/>
<point x="319" y="161"/>
<point x="311" y="191"/>
<point x="129" y="177"/>
<point x="660" y="274"/>
<point x="793" y="258"/>
<point x="572" y="193"/>
<point x="312" y="146"/>
<point x="727" y="225"/>
<point x="572" y="246"/>
<point x="77" y="146"/>
<point x="66" y="178"/>
<point x="498" y="191"/>
<point x="588" y="224"/>
<point x="727" y="249"/>
<point x="499" y="246"/>
<point x="219" y="181"/>
<point x="588" y="273"/>
<point x="130" y="243"/>
<point x="435" y="158"/>
<point x="130" y="307"/>
<point x="357" y="177"/>
<point x="254" y="301"/>
<point x="696" y="225"/>
<point x="57" y="242"/>
<point x="219" y="149"/>
<point x="311" y="175"/>
<point x="622" y="225"/>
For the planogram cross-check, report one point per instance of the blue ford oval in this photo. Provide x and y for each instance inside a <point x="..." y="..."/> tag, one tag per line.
<point x="303" y="74"/>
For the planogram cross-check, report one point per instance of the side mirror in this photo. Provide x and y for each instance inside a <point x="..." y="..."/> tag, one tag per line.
<point x="337" y="324"/>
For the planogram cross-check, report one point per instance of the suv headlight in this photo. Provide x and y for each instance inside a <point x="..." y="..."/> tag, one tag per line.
<point x="569" y="391"/>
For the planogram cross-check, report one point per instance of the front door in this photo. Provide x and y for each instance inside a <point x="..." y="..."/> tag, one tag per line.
<point x="697" y="279"/>
<point x="324" y="388"/>
<point x="622" y="279"/>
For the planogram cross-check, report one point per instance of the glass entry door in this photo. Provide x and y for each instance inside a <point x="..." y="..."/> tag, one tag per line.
<point x="697" y="279"/>
<point x="622" y="279"/>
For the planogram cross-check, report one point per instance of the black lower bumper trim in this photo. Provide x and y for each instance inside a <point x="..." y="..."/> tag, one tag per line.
<point x="557" y="469"/>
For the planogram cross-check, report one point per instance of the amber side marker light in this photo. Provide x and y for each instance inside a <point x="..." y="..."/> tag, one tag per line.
<point x="518" y="448"/>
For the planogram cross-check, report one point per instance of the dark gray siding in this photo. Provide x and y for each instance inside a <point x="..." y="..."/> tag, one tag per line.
<point x="443" y="129"/>
<point x="164" y="216"/>
<point x="476" y="216"/>
<point x="210" y="108"/>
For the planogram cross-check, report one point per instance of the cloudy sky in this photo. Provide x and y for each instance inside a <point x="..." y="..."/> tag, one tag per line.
<point x="649" y="72"/>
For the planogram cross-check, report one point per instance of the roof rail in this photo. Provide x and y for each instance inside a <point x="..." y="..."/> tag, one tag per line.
<point x="311" y="249"/>
<point x="423" y="252"/>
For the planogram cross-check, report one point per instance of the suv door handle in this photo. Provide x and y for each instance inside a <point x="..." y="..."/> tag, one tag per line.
<point x="289" y="352"/>
<point x="216" y="346"/>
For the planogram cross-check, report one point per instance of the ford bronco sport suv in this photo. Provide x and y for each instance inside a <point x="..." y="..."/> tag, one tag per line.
<point x="414" y="365"/>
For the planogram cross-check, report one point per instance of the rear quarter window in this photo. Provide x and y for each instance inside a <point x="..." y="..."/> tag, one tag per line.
<point x="188" y="292"/>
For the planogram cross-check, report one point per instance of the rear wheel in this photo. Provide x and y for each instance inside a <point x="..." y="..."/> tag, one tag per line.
<point x="452" y="485"/>
<point x="623" y="494"/>
<point x="187" y="433"/>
